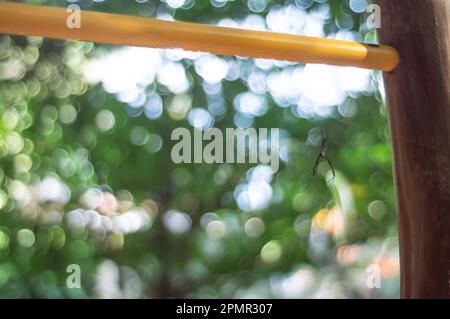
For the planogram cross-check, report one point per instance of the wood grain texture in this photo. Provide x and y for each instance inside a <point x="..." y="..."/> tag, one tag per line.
<point x="418" y="97"/>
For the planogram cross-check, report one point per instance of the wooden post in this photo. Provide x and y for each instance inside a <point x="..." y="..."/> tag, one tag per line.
<point x="418" y="97"/>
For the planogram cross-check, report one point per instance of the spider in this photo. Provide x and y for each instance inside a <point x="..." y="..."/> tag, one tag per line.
<point x="323" y="155"/>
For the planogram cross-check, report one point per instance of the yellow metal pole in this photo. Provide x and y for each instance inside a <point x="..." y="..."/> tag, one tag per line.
<point x="31" y="20"/>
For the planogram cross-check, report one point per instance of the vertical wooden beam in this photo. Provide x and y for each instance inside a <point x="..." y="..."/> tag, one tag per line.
<point x="418" y="97"/>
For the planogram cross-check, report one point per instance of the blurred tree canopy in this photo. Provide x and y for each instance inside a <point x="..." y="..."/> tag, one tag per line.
<point x="86" y="176"/>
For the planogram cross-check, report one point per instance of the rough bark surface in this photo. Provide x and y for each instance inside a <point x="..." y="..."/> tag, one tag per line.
<point x="418" y="97"/>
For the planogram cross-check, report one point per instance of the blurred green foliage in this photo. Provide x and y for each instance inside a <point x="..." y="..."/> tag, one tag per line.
<point x="87" y="179"/>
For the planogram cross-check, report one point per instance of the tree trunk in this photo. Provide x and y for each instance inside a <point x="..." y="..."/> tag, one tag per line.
<point x="418" y="97"/>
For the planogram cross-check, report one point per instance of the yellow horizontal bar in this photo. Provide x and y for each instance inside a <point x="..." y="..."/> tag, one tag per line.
<point x="31" y="20"/>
